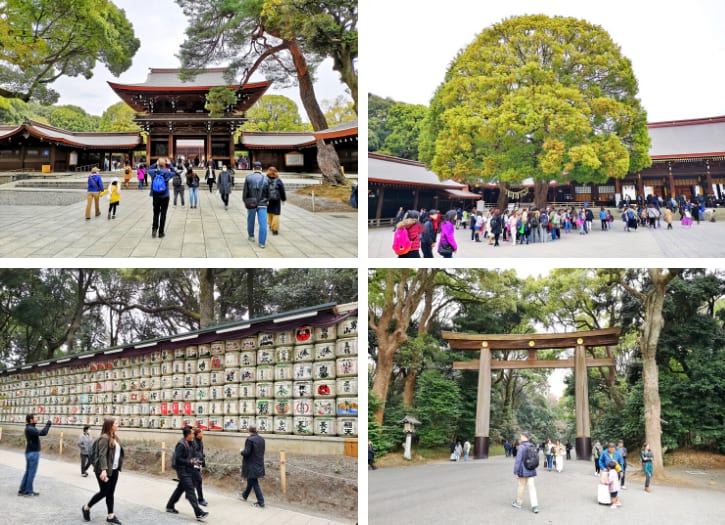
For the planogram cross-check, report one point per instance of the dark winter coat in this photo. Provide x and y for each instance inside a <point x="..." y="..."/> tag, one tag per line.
<point x="275" y="206"/>
<point x="199" y="451"/>
<point x="225" y="182"/>
<point x="183" y="454"/>
<point x="106" y="454"/>
<point x="520" y="469"/>
<point x="253" y="453"/>
<point x="32" y="437"/>
<point x="256" y="185"/>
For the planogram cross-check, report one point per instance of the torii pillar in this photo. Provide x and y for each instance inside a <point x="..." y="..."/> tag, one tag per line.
<point x="483" y="405"/>
<point x="583" y="443"/>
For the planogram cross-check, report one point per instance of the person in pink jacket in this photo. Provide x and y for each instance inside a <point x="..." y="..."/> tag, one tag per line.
<point x="447" y="243"/>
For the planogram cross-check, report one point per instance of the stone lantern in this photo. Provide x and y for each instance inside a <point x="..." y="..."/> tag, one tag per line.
<point x="409" y="423"/>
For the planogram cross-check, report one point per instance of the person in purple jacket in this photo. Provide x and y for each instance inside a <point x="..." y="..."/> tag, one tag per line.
<point x="524" y="476"/>
<point x="447" y="244"/>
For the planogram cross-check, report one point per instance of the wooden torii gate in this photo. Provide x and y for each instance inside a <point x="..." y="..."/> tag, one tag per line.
<point x="487" y="343"/>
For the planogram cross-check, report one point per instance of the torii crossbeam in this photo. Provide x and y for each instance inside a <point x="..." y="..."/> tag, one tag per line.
<point x="486" y="343"/>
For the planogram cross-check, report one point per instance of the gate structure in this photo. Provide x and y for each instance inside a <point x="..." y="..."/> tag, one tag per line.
<point x="488" y="343"/>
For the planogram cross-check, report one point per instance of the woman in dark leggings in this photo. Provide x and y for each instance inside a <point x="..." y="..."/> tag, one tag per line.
<point x="108" y="462"/>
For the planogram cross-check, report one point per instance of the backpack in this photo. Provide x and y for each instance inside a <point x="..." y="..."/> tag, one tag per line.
<point x="401" y="241"/>
<point x="159" y="186"/>
<point x="531" y="458"/>
<point x="534" y="220"/>
<point x="177" y="180"/>
<point x="274" y="193"/>
<point x="544" y="218"/>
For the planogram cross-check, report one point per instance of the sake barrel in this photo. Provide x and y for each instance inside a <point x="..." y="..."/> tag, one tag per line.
<point x="346" y="406"/>
<point x="347" y="327"/>
<point x="134" y="372"/>
<point x="231" y="407"/>
<point x="323" y="370"/>
<point x="179" y="366"/>
<point x="188" y="421"/>
<point x="264" y="424"/>
<point x="190" y="366"/>
<point x="325" y="333"/>
<point x="203" y="351"/>
<point x="324" y="407"/>
<point x="231" y="391"/>
<point x="187" y="408"/>
<point x="231" y="375"/>
<point x="133" y="396"/>
<point x="153" y="422"/>
<point x="264" y="407"/>
<point x="302" y="371"/>
<point x="284" y="354"/>
<point x="167" y="394"/>
<point x="245" y="422"/>
<point x="116" y="373"/>
<point x="248" y="343"/>
<point x="188" y="394"/>
<point x="325" y="426"/>
<point x="285" y="337"/>
<point x="216" y="408"/>
<point x="282" y="407"/>
<point x="217" y="348"/>
<point x="282" y="424"/>
<point x="303" y="425"/>
<point x="247" y="407"/>
<point x="346" y="347"/>
<point x="265" y="389"/>
<point x="302" y="407"/>
<point x="346" y="366"/>
<point x="144" y="409"/>
<point x="202" y="422"/>
<point x="203" y="379"/>
<point x="216" y="362"/>
<point x="347" y="426"/>
<point x="304" y="335"/>
<point x="247" y="390"/>
<point x="191" y="352"/>
<point x="265" y="356"/>
<point x="304" y="353"/>
<point x="177" y="380"/>
<point x="166" y="382"/>
<point x="167" y="355"/>
<point x="232" y="345"/>
<point x="231" y="423"/>
<point x="176" y="422"/>
<point x="325" y="350"/>
<point x="179" y="353"/>
<point x="324" y="388"/>
<point x="248" y="358"/>
<point x="217" y="377"/>
<point x="201" y="408"/>
<point x="231" y="359"/>
<point x="346" y="386"/>
<point x="175" y="408"/>
<point x="189" y="380"/>
<point x="265" y="373"/>
<point x="302" y="389"/>
<point x="154" y="409"/>
<point x="167" y="368"/>
<point x="202" y="394"/>
<point x="283" y="371"/>
<point x="154" y="396"/>
<point x="216" y="392"/>
<point x="177" y="394"/>
<point x="265" y="340"/>
<point x="282" y="389"/>
<point x="154" y="370"/>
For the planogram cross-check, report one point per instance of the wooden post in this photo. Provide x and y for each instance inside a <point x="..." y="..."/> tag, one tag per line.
<point x="1" y="433"/>
<point x="483" y="404"/>
<point x="581" y="389"/>
<point x="61" y="444"/>
<point x="283" y="470"/>
<point x="163" y="457"/>
<point x="379" y="209"/>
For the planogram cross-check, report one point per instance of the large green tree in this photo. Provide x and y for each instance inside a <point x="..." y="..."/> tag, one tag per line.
<point x="551" y="98"/>
<point x="118" y="117"/>
<point x="43" y="40"/>
<point x="283" y="39"/>
<point x="274" y="113"/>
<point x="73" y="118"/>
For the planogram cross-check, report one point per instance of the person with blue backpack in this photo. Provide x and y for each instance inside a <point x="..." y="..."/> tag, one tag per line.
<point x="160" y="176"/>
<point x="95" y="187"/>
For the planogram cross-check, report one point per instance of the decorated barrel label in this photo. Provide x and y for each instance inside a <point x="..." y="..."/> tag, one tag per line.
<point x="167" y="355"/>
<point x="346" y="347"/>
<point x="304" y="353"/>
<point x="154" y="396"/>
<point x="231" y="375"/>
<point x="190" y="380"/>
<point x="231" y="359"/>
<point x="153" y="422"/>
<point x="304" y="335"/>
<point x="284" y="354"/>
<point x="265" y="373"/>
<point x="265" y="356"/>
<point x="203" y="351"/>
<point x="231" y="391"/>
<point x="177" y="380"/>
<point x="231" y="407"/>
<point x="302" y="407"/>
<point x="346" y="406"/>
<point x="282" y="407"/>
<point x="282" y="389"/>
<point x="191" y="352"/>
<point x="265" y="340"/>
<point x="302" y="371"/>
<point x="265" y="389"/>
<point x="216" y="362"/>
<point x="245" y="422"/>
<point x="188" y="394"/>
<point x="324" y="351"/>
<point x="283" y="338"/>
<point x="232" y="345"/>
<point x="177" y="394"/>
<point x="179" y="353"/>
<point x="249" y="343"/>
<point x="216" y="392"/>
<point x="154" y="409"/>
<point x="264" y="424"/>
<point x="167" y="368"/>
<point x="323" y="370"/>
<point x="347" y="327"/>
<point x="265" y="407"/>
<point x="346" y="366"/>
<point x="201" y="408"/>
<point x="247" y="390"/>
<point x="324" y="407"/>
<point x="282" y="424"/>
<point x="231" y="423"/>
<point x="217" y="377"/>
<point x="283" y="371"/>
<point x="247" y="407"/>
<point x="347" y="426"/>
<point x="190" y="366"/>
<point x="203" y="379"/>
<point x="203" y="364"/>
<point x="324" y="388"/>
<point x="201" y="394"/>
<point x="325" y="333"/>
<point x="247" y="373"/>
<point x="303" y="425"/>
<point x="248" y="358"/>
<point x="217" y="348"/>
<point x="202" y="422"/>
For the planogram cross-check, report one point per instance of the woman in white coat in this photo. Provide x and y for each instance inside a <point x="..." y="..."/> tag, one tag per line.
<point x="560" y="452"/>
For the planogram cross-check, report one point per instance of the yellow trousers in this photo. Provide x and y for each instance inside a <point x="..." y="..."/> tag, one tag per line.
<point x="93" y="196"/>
<point x="273" y="220"/>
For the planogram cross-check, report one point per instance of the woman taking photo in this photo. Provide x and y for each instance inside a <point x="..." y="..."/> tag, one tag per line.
<point x="108" y="462"/>
<point x="646" y="458"/>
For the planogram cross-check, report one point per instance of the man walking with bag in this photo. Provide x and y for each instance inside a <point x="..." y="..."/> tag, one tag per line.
<point x="183" y="461"/>
<point x="527" y="459"/>
<point x="256" y="199"/>
<point x="253" y="465"/>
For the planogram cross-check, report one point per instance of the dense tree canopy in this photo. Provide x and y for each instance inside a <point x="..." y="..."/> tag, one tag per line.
<point x="73" y="118"/>
<point x="394" y="127"/>
<point x="43" y="40"/>
<point x="274" y="113"/>
<point x="118" y="117"/>
<point x="550" y="98"/>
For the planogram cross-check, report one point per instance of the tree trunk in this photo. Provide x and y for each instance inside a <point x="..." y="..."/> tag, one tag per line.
<point x="388" y="344"/>
<point x="503" y="196"/>
<point x="342" y="63"/>
<point x="327" y="157"/>
<point x="206" y="298"/>
<point x="412" y="376"/>
<point x="541" y="193"/>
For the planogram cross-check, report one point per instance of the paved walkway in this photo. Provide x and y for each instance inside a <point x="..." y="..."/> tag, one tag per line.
<point x="207" y="231"/>
<point x="139" y="499"/>
<point x="480" y="492"/>
<point x="704" y="240"/>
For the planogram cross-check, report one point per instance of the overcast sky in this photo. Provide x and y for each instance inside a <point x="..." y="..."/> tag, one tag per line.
<point x="677" y="48"/>
<point x="160" y="25"/>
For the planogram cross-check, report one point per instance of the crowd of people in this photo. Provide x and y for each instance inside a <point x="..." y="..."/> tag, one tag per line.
<point x="263" y="194"/>
<point x="430" y="231"/>
<point x="105" y="455"/>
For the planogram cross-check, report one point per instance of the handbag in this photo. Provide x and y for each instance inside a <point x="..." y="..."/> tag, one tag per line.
<point x="445" y="248"/>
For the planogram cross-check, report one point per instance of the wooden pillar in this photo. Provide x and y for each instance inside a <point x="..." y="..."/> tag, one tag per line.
<point x="148" y="149"/>
<point x="581" y="389"/>
<point x="379" y="211"/>
<point x="170" y="149"/>
<point x="416" y="196"/>
<point x="208" y="145"/>
<point x="483" y="405"/>
<point x="671" y="181"/>
<point x="618" y="186"/>
<point x="52" y="158"/>
<point x="232" y="157"/>
<point x="708" y="180"/>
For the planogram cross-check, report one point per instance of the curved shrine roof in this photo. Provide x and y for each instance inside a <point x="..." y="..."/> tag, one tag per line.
<point x="125" y="140"/>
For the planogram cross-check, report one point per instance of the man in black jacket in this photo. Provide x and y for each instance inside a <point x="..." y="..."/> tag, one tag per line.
<point x="253" y="465"/>
<point x="184" y="461"/>
<point x="32" y="454"/>
<point x="198" y="445"/>
<point x="256" y="200"/>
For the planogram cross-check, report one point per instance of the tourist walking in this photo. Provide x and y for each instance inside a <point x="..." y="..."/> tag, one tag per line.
<point x="253" y="465"/>
<point x="447" y="244"/>
<point x="596" y="452"/>
<point x="458" y="451"/>
<point x="613" y="482"/>
<point x="32" y="454"/>
<point x="183" y="461"/>
<point x="225" y="185"/>
<point x="646" y="458"/>
<point x="623" y="453"/>
<point x="413" y="229"/>
<point x="85" y="442"/>
<point x="549" y="454"/>
<point x="667" y="215"/>
<point x="127" y="173"/>
<point x="466" y="450"/>
<point x="140" y="175"/>
<point x="568" y="447"/>
<point x="371" y="456"/>
<point x="178" y="185"/>
<point x="428" y="235"/>
<point x="192" y="181"/>
<point x="256" y="199"/>
<point x="210" y="175"/>
<point x="114" y="197"/>
<point x="496" y="226"/>
<point x="198" y="445"/>
<point x="160" y="194"/>
<point x="525" y="472"/>
<point x="560" y="451"/>
<point x="277" y="196"/>
<point x="610" y="454"/>
<point x="95" y="187"/>
<point x="108" y="464"/>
